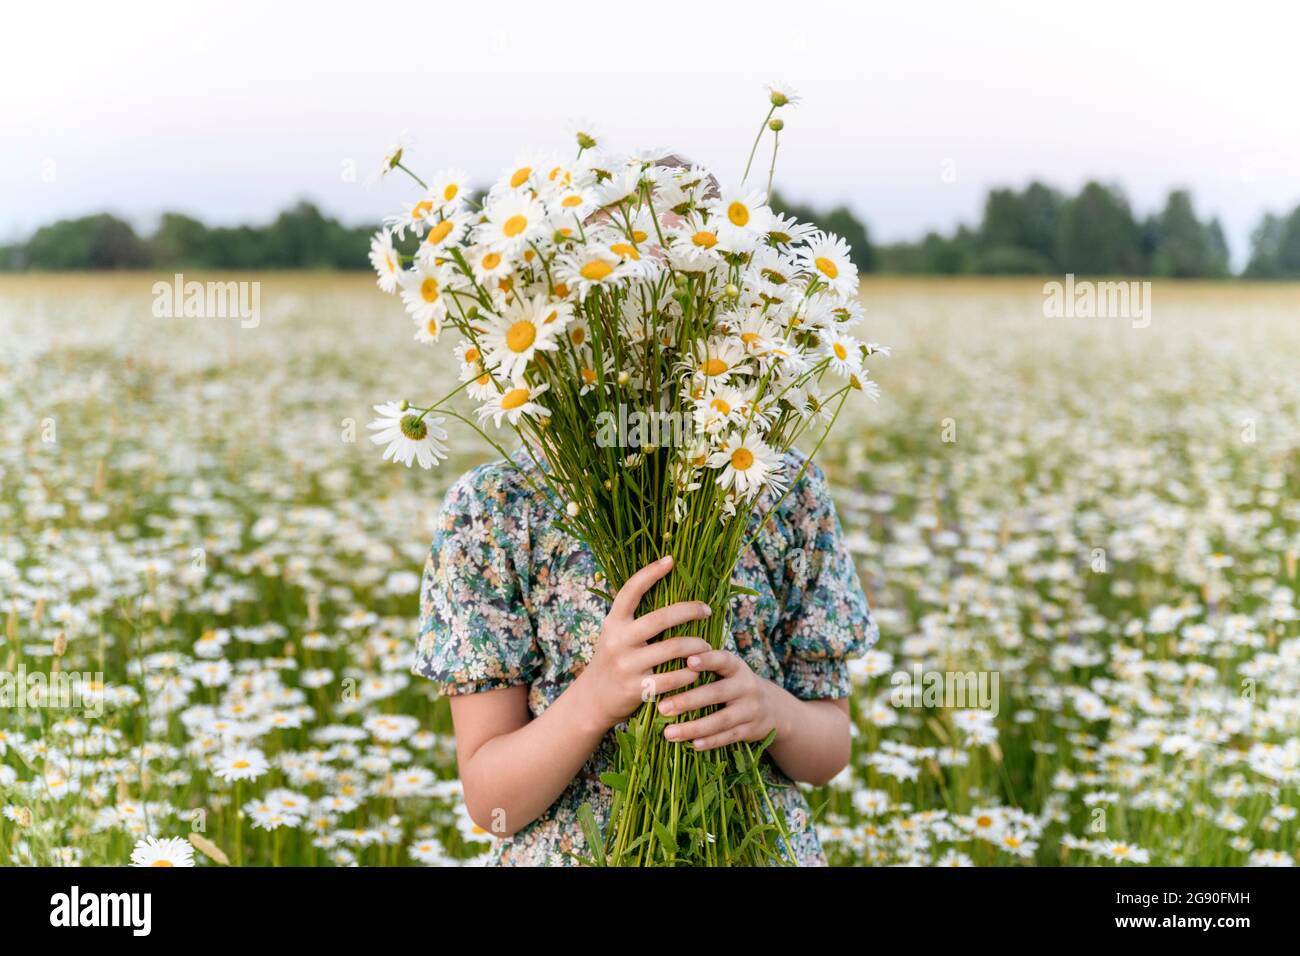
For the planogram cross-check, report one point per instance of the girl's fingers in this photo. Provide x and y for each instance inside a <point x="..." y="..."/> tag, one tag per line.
<point x="659" y="684"/>
<point x="720" y="662"/>
<point x="702" y="727"/>
<point x="656" y="622"/>
<point x="634" y="589"/>
<point x="670" y="648"/>
<point x="717" y="692"/>
<point x="734" y="735"/>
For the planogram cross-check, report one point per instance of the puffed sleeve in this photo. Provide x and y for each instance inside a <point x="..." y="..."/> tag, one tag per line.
<point x="825" y="618"/>
<point x="475" y="631"/>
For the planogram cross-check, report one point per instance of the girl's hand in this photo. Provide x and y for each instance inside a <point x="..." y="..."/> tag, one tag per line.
<point x="750" y="705"/>
<point x="621" y="674"/>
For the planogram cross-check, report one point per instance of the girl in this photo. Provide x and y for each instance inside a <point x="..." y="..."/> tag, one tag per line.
<point x="540" y="671"/>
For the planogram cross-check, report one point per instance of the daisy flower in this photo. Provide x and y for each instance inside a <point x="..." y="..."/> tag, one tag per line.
<point x="443" y="234"/>
<point x="622" y="184"/>
<point x="423" y="292"/>
<point x="392" y="157"/>
<point x="586" y="133"/>
<point x="757" y="333"/>
<point x="471" y="360"/>
<point x="428" y="852"/>
<point x="391" y="728"/>
<point x="742" y="218"/>
<point x="512" y="220"/>
<point x="578" y="333"/>
<point x="572" y="203"/>
<point x="489" y="265"/>
<point x="782" y="94"/>
<point x="787" y="230"/>
<point x="524" y="328"/>
<point x="1119" y="852"/>
<point x="719" y="357"/>
<point x="385" y="260"/>
<point x="169" y="851"/>
<point x="240" y="763"/>
<point x="409" y="436"/>
<point x="720" y="406"/>
<point x="517" y="400"/>
<point x="843" y="352"/>
<point x="448" y="188"/>
<point x="826" y="257"/>
<point x="522" y="172"/>
<point x="747" y="464"/>
<point x="589" y="268"/>
<point x="697" y="241"/>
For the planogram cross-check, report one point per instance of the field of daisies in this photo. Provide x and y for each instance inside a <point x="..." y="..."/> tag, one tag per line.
<point x="1106" y="518"/>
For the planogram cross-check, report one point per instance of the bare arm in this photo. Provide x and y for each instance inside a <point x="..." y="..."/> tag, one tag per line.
<point x="513" y="768"/>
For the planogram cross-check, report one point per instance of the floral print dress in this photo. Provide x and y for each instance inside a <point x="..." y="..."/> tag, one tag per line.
<point x="504" y="602"/>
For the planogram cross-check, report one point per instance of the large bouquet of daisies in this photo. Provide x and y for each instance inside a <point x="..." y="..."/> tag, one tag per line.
<point x="658" y="343"/>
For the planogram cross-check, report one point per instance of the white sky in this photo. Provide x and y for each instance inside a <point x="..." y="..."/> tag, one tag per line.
<point x="231" y="110"/>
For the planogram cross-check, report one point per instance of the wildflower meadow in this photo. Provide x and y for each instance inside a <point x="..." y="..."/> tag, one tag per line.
<point x="1086" y="528"/>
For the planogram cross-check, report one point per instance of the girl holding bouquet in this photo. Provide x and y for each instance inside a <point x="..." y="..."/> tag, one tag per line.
<point x="665" y="720"/>
<point x="540" y="671"/>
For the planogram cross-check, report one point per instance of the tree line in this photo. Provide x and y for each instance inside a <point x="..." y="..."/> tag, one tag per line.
<point x="1038" y="230"/>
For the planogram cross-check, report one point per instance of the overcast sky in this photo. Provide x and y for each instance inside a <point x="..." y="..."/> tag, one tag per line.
<point x="231" y="110"/>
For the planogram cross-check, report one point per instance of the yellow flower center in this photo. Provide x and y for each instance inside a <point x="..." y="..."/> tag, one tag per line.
<point x="514" y="398"/>
<point x="388" y="261"/>
<point x="240" y="765"/>
<point x="1120" y="851"/>
<point x="588" y="375"/>
<point x="738" y="213"/>
<point x="568" y="202"/>
<point x="840" y="351"/>
<point x="704" y="239"/>
<point x="713" y="366"/>
<point x="162" y="863"/>
<point x="431" y="327"/>
<point x="578" y="335"/>
<point x="749" y="338"/>
<point x="721" y="405"/>
<point x="421" y="209"/>
<point x="596" y="269"/>
<point x="449" y="193"/>
<point x="521" y="176"/>
<point x="521" y="336"/>
<point x="624" y="249"/>
<point x="439" y="232"/>
<point x="471" y="355"/>
<point x="639" y="235"/>
<point x="483" y="379"/>
<point x="985" y="821"/>
<point x="491" y="260"/>
<point x="561" y="290"/>
<point x="429" y="290"/>
<point x="826" y="267"/>
<point x="742" y="459"/>
<point x="514" y="226"/>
